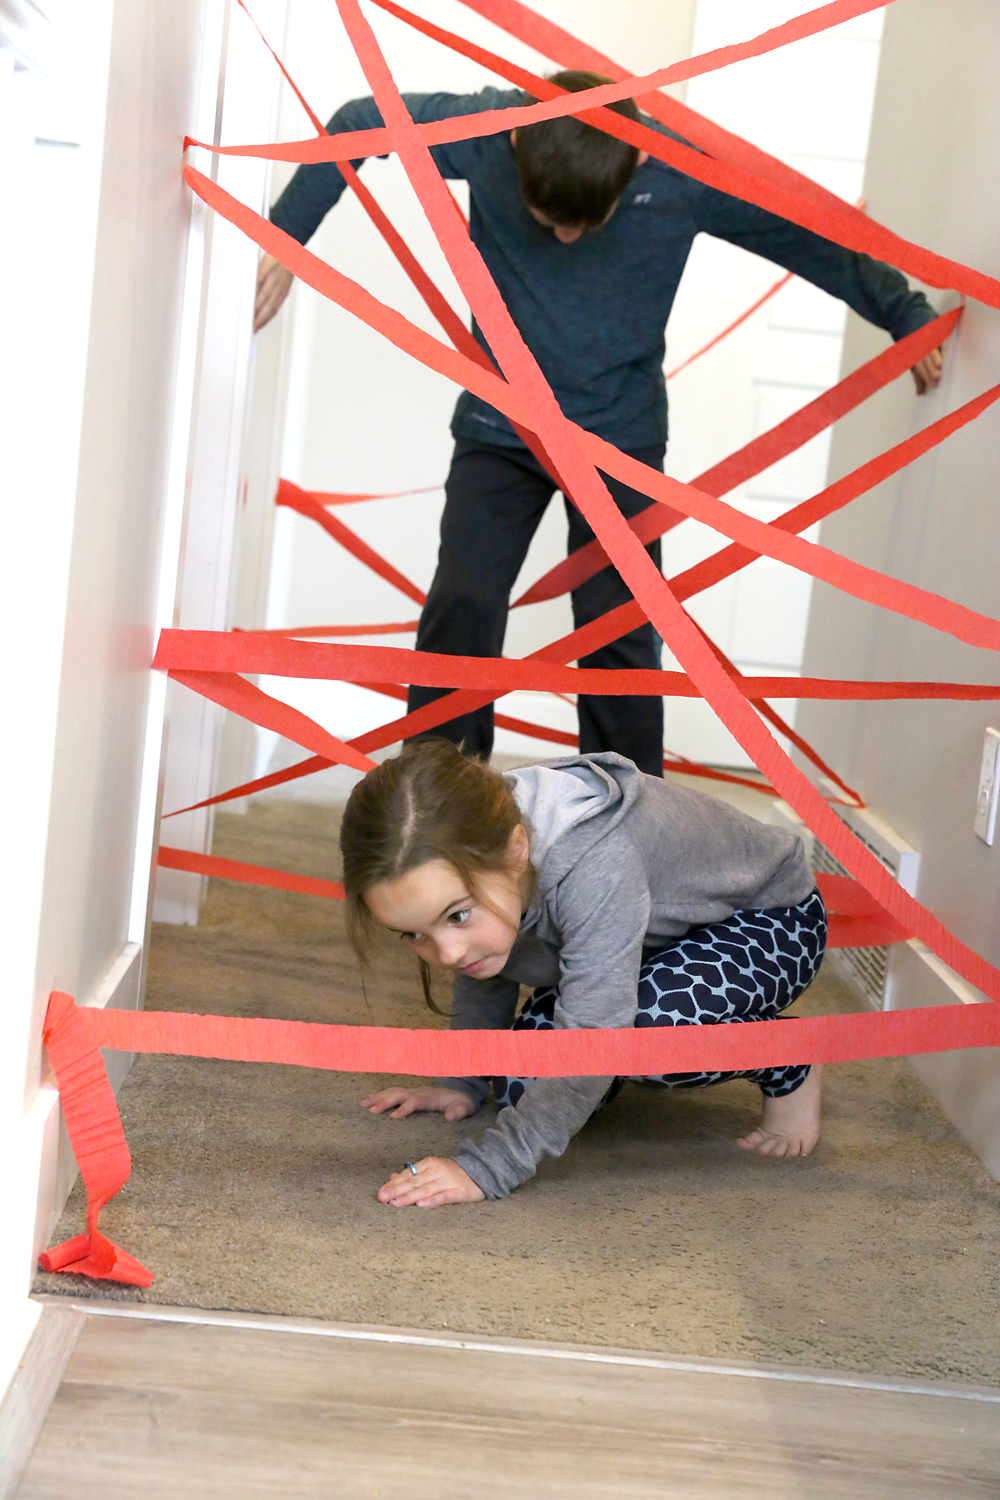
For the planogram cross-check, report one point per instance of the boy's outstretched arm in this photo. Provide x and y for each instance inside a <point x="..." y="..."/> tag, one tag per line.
<point x="316" y="188"/>
<point x="876" y="291"/>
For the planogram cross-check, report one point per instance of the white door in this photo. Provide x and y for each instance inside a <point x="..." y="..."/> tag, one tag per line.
<point x="810" y="105"/>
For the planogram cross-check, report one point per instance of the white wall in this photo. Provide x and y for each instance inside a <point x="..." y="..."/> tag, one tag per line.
<point x="934" y="146"/>
<point x="92" y="309"/>
<point x="810" y="105"/>
<point x="225" y="544"/>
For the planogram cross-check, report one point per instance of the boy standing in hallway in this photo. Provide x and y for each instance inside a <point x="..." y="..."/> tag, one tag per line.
<point x="586" y="238"/>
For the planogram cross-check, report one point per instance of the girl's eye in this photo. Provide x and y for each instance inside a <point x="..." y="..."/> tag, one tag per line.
<point x="458" y="918"/>
<point x="408" y="937"/>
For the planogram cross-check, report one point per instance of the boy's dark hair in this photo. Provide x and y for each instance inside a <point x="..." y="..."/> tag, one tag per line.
<point x="572" y="172"/>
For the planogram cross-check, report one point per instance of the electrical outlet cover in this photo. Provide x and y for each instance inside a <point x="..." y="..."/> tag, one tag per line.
<point x="989" y="785"/>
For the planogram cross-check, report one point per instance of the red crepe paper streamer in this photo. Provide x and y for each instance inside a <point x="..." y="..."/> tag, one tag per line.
<point x="98" y="1141"/>
<point x="333" y="497"/>
<point x="855" y="920"/>
<point x="802" y="26"/>
<point x="392" y="324"/>
<point x="575" y="453"/>
<point x="188" y="654"/>
<point x="305" y="632"/>
<point x="234" y="869"/>
<point x="864" y="583"/>
<point x="759" y="454"/>
<point x="765" y="185"/>
<point x="869" y="378"/>
<point x="549" y="1054"/>
<point x="307" y="505"/>
<point x="772" y="291"/>
<point x="241" y="697"/>
<point x="875" y="908"/>
<point x="74" y="1036"/>
<point x="528" y="385"/>
<point x="422" y="345"/>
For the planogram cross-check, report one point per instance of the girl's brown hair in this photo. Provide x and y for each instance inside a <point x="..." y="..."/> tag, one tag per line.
<point x="430" y="802"/>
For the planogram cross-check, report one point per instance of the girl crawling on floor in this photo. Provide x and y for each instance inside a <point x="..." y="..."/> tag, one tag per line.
<point x="618" y="898"/>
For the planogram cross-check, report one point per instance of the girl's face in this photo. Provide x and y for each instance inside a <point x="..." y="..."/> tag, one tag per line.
<point x="447" y="926"/>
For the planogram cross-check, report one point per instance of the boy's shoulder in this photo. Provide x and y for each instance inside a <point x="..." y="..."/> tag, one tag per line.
<point x="443" y="105"/>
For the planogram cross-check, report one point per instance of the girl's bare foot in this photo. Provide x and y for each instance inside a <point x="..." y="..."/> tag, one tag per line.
<point x="790" y="1124"/>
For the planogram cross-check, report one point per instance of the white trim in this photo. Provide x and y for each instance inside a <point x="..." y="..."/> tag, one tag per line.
<point x="965" y="1083"/>
<point x="27" y="31"/>
<point x="205" y="126"/>
<point x="947" y="986"/>
<point x="267" y="1323"/>
<point x="120" y="986"/>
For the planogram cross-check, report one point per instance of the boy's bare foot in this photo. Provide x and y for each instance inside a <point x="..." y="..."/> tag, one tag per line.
<point x="790" y="1125"/>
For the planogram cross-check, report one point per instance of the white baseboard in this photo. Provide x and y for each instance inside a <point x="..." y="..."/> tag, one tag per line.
<point x="966" y="1084"/>
<point x="119" y="989"/>
<point x="177" y="897"/>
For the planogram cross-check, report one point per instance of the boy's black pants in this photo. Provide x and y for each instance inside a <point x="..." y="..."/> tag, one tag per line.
<point x="494" y="500"/>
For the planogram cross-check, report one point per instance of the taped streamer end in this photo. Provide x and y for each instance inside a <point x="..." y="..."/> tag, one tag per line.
<point x="95" y="1133"/>
<point x="74" y="1257"/>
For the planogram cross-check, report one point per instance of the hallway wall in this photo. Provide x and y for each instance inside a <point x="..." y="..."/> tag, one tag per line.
<point x="224" y="548"/>
<point x="810" y="105"/>
<point x="91" y="152"/>
<point x="935" y="141"/>
<point x="931" y="171"/>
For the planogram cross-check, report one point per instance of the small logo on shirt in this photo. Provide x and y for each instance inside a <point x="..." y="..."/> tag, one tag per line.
<point x="643" y="198"/>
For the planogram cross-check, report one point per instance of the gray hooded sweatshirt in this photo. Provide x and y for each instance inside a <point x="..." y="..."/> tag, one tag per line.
<point x="625" y="862"/>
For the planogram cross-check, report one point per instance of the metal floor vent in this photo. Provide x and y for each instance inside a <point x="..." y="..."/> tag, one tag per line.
<point x="867" y="968"/>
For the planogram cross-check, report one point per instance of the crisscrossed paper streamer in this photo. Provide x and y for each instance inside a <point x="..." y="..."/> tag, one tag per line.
<point x="871" y="899"/>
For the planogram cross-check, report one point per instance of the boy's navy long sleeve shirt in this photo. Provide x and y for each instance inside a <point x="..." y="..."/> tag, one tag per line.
<point x="594" y="312"/>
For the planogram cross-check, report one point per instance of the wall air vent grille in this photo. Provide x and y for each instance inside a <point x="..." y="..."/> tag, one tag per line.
<point x="866" y="968"/>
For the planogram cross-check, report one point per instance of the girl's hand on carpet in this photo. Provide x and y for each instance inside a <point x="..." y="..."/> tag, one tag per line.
<point x="438" y="1180"/>
<point x="452" y="1103"/>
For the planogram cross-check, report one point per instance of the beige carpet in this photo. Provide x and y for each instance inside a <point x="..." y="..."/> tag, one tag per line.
<point x="253" y="1187"/>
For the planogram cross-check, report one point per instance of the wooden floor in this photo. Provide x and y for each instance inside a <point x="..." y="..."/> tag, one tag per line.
<point x="251" y="1408"/>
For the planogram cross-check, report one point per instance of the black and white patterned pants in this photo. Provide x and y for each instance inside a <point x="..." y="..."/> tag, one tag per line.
<point x="748" y="968"/>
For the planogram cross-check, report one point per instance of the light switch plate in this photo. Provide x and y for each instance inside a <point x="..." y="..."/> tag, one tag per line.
<point x="989" y="785"/>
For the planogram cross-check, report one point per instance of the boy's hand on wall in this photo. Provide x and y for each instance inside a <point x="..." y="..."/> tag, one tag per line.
<point x="927" y="371"/>
<point x="437" y="1180"/>
<point x="273" y="285"/>
<point x="453" y="1104"/>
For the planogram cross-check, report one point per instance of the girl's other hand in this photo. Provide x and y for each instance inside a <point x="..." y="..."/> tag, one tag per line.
<point x="438" y="1180"/>
<point x="453" y="1104"/>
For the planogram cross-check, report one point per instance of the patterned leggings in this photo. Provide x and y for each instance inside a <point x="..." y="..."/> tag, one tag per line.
<point x="748" y="968"/>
